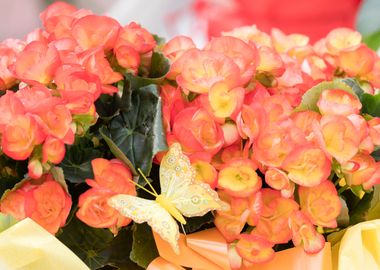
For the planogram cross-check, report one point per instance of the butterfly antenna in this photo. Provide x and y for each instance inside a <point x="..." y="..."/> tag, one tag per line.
<point x="147" y="181"/>
<point x="140" y="186"/>
<point x="183" y="229"/>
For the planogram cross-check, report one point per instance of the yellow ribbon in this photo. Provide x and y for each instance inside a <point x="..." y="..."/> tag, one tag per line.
<point x="27" y="246"/>
<point x="359" y="248"/>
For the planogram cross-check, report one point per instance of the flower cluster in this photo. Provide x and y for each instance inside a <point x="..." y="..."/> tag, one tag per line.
<point x="238" y="111"/>
<point x="49" y="83"/>
<point x="285" y="131"/>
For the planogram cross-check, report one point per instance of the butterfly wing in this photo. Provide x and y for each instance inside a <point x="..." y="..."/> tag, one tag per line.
<point x="142" y="210"/>
<point x="177" y="178"/>
<point x="176" y="172"/>
<point x="196" y="200"/>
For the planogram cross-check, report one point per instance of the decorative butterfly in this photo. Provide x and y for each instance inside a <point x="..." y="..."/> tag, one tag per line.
<point x="180" y="196"/>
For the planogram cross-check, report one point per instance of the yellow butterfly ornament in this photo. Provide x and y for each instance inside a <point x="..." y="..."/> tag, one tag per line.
<point x="180" y="196"/>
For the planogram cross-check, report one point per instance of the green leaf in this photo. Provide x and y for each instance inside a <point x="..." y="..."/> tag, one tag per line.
<point x="372" y="40"/>
<point x="368" y="208"/>
<point x="89" y="244"/>
<point x="310" y="98"/>
<point x="355" y="86"/>
<point x="144" y="249"/>
<point x="116" y="151"/>
<point x="6" y="221"/>
<point x="371" y="104"/>
<point x="77" y="162"/>
<point x="159" y="67"/>
<point x="160" y="41"/>
<point x="335" y="237"/>
<point x="374" y="209"/>
<point x="139" y="132"/>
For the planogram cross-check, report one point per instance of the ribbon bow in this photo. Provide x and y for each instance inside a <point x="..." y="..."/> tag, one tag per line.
<point x="207" y="250"/>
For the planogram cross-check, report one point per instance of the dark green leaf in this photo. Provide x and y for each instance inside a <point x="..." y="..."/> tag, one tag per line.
<point x="144" y="249"/>
<point x="195" y="223"/>
<point x="160" y="66"/>
<point x="376" y="154"/>
<point x="368" y="208"/>
<point x="106" y="106"/>
<point x="116" y="151"/>
<point x="139" y="133"/>
<point x="11" y="172"/>
<point x="310" y="98"/>
<point x="77" y="162"/>
<point x="120" y="250"/>
<point x="371" y="104"/>
<point x="89" y="244"/>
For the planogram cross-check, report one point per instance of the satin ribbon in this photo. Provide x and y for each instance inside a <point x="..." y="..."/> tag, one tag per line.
<point x="27" y="246"/>
<point x="359" y="248"/>
<point x="207" y="250"/>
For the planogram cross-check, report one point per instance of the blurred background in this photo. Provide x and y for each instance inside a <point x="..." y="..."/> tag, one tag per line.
<point x="203" y="18"/>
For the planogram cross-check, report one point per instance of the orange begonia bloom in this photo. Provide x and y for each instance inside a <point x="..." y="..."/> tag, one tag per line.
<point x="342" y="39"/>
<point x="339" y="102"/>
<point x="112" y="175"/>
<point x="95" y="211"/>
<point x="136" y="37"/>
<point x="201" y="69"/>
<point x="197" y="131"/>
<point x="239" y="178"/>
<point x="43" y="200"/>
<point x="275" y="142"/>
<point x="177" y="46"/>
<point x="255" y="248"/>
<point x="305" y="234"/>
<point x="10" y="107"/>
<point x="307" y="166"/>
<point x="37" y="63"/>
<point x="21" y="136"/>
<point x="224" y="101"/>
<point x="53" y="150"/>
<point x="338" y="137"/>
<point x="92" y="31"/>
<point x="245" y="56"/>
<point x="359" y="169"/>
<point x="320" y="204"/>
<point x="205" y="172"/>
<point x="358" y="62"/>
<point x="273" y="223"/>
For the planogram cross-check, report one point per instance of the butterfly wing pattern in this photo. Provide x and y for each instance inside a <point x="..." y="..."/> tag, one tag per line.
<point x="177" y="178"/>
<point x="142" y="210"/>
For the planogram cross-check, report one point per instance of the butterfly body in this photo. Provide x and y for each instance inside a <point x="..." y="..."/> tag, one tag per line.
<point x="180" y="196"/>
<point x="168" y="206"/>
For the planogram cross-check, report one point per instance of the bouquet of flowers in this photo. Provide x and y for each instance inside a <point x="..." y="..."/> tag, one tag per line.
<point x="112" y="138"/>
